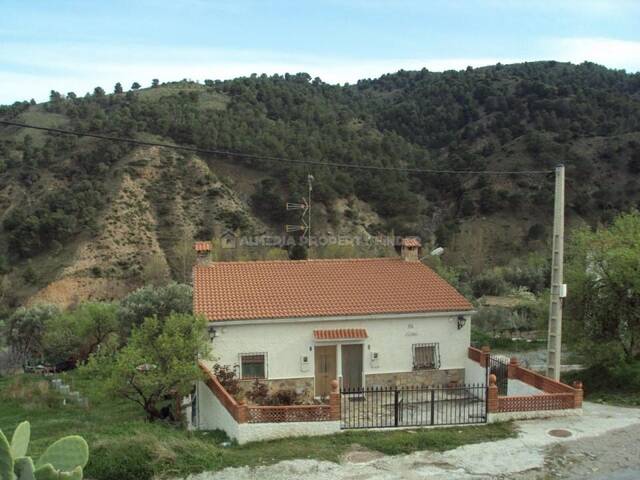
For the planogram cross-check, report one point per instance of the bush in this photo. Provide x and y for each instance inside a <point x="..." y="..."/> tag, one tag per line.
<point x="259" y="392"/>
<point x="126" y="459"/>
<point x="149" y="301"/>
<point x="227" y="377"/>
<point x="284" y="397"/>
<point x="489" y="283"/>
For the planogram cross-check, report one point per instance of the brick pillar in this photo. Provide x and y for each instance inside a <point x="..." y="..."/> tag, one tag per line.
<point x="578" y="395"/>
<point x="492" y="393"/>
<point x="334" y="401"/>
<point x="242" y="412"/>
<point x="512" y="370"/>
<point x="484" y="357"/>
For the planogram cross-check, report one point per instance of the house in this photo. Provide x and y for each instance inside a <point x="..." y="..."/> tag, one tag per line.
<point x="365" y="322"/>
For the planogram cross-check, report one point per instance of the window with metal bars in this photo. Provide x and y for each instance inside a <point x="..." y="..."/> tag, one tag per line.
<point x="253" y="365"/>
<point x="426" y="356"/>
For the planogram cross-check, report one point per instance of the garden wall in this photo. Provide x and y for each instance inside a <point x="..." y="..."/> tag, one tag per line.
<point x="216" y="409"/>
<point x="535" y="394"/>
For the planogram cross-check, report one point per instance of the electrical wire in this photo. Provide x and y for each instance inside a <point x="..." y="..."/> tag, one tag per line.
<point x="270" y="158"/>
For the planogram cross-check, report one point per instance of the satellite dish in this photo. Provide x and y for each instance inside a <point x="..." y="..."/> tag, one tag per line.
<point x="437" y="252"/>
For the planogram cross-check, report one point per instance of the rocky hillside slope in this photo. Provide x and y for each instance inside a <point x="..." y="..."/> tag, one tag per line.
<point x="86" y="218"/>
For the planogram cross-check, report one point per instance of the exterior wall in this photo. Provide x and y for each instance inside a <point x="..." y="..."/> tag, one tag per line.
<point x="252" y="432"/>
<point x="391" y="337"/>
<point x="418" y="377"/>
<point x="212" y="415"/>
<point x="474" y="372"/>
<point x="517" y="388"/>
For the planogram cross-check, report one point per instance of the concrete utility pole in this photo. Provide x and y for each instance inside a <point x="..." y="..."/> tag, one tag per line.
<point x="558" y="289"/>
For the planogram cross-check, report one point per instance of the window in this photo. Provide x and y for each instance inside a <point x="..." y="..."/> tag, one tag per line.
<point x="426" y="356"/>
<point x="253" y="365"/>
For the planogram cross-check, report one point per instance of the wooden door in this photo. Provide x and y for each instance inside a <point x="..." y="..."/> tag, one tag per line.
<point x="352" y="366"/>
<point x="325" y="360"/>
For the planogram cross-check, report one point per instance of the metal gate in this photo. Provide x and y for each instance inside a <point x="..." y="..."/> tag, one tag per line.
<point x="499" y="366"/>
<point x="423" y="405"/>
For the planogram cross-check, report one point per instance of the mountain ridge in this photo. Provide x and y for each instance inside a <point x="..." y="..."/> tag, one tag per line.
<point x="59" y="194"/>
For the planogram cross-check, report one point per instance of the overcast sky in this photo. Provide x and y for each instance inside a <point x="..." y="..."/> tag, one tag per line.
<point x="74" y="45"/>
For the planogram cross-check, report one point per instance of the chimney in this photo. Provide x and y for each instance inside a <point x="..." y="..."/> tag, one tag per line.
<point x="410" y="249"/>
<point x="202" y="251"/>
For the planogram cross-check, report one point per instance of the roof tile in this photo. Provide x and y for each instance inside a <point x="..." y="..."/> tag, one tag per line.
<point x="312" y="288"/>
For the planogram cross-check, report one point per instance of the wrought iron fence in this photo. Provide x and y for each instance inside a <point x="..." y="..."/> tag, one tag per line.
<point x="500" y="368"/>
<point x="423" y="405"/>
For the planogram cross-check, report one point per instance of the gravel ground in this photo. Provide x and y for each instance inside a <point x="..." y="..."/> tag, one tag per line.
<point x="615" y="454"/>
<point x="604" y="443"/>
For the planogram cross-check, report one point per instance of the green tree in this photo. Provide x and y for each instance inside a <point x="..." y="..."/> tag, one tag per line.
<point x="150" y="301"/>
<point x="81" y="332"/>
<point x="604" y="291"/>
<point x="160" y="362"/>
<point x="24" y="331"/>
<point x="155" y="82"/>
<point x="117" y="88"/>
<point x="135" y="86"/>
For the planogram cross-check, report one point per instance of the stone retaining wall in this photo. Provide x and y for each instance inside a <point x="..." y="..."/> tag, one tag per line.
<point x="416" y="378"/>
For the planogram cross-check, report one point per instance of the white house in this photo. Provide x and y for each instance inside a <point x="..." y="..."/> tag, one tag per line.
<point x="365" y="322"/>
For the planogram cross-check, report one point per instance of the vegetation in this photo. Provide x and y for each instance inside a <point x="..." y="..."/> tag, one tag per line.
<point x="63" y="459"/>
<point x="605" y="292"/>
<point x="158" y="364"/>
<point x="124" y="446"/>
<point x="513" y="117"/>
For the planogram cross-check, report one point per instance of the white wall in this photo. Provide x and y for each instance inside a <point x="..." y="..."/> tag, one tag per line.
<point x="474" y="372"/>
<point x="212" y="415"/>
<point x="390" y="336"/>
<point x="252" y="432"/>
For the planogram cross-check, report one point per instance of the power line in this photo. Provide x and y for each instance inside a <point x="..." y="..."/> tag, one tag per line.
<point x="270" y="158"/>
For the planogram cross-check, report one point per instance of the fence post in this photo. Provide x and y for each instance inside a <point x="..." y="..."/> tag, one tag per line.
<point x="578" y="395"/>
<point x="512" y="369"/>
<point x="492" y="395"/>
<point x="242" y="412"/>
<point x="484" y="356"/>
<point x="395" y="403"/>
<point x="433" y="406"/>
<point x="334" y="401"/>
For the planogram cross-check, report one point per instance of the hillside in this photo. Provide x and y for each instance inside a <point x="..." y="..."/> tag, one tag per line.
<point x="86" y="218"/>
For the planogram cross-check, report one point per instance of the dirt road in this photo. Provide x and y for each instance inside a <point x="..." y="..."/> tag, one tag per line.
<point x="603" y="443"/>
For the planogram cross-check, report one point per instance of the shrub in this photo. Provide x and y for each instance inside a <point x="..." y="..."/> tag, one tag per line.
<point x="489" y="283"/>
<point x="259" y="393"/>
<point x="227" y="377"/>
<point x="284" y="397"/>
<point x="130" y="459"/>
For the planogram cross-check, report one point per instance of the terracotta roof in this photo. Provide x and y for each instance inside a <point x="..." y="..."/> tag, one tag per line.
<point x="411" y="242"/>
<point x="312" y="288"/>
<point x="202" y="246"/>
<point x="340" y="334"/>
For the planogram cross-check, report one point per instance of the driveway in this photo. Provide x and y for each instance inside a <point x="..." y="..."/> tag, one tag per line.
<point x="604" y="443"/>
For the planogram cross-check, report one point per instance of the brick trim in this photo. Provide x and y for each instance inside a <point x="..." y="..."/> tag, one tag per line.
<point x="243" y="413"/>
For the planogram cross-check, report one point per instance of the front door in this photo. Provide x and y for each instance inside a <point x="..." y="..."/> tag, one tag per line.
<point x="325" y="360"/>
<point x="352" y="366"/>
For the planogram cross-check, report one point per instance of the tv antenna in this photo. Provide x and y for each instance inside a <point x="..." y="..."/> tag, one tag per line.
<point x="305" y="216"/>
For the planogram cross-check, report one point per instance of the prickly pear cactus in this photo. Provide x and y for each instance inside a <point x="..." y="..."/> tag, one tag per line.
<point x="24" y="469"/>
<point x="20" y="440"/>
<point x="6" y="459"/>
<point x="63" y="460"/>
<point x="66" y="454"/>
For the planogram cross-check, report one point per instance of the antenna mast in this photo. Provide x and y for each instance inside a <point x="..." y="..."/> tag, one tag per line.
<point x="305" y="216"/>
